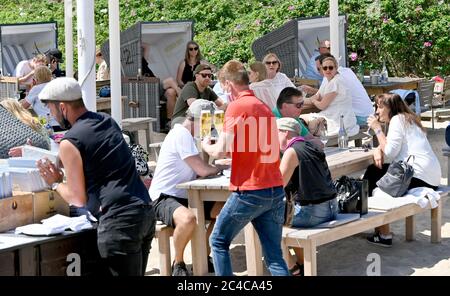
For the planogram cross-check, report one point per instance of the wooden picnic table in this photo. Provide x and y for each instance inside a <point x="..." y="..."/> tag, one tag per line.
<point x="393" y="83"/>
<point x="104" y="104"/>
<point x="217" y="189"/>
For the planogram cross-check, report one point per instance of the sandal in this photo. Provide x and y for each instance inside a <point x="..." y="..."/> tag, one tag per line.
<point x="297" y="270"/>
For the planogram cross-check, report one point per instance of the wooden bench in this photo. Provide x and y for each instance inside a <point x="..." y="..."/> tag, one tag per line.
<point x="143" y="126"/>
<point x="309" y="239"/>
<point x="163" y="234"/>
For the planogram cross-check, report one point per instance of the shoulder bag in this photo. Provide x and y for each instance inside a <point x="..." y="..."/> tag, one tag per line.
<point x="397" y="178"/>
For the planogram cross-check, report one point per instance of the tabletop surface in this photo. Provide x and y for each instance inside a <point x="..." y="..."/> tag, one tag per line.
<point x="336" y="158"/>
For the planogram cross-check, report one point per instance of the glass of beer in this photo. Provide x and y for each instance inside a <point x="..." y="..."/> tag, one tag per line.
<point x="218" y="120"/>
<point x="205" y="124"/>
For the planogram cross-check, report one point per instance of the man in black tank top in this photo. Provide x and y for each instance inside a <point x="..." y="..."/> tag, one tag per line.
<point x="100" y="170"/>
<point x="306" y="176"/>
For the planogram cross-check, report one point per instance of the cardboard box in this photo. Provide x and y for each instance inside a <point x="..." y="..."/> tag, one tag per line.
<point x="30" y="207"/>
<point x="48" y="203"/>
<point x="16" y="210"/>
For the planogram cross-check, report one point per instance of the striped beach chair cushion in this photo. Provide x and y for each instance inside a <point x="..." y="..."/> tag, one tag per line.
<point x="12" y="55"/>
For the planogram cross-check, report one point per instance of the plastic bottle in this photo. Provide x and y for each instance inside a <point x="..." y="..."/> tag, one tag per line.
<point x="48" y="127"/>
<point x="342" y="134"/>
<point x="384" y="74"/>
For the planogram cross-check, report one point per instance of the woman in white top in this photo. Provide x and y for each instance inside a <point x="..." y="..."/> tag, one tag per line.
<point x="333" y="100"/>
<point x="406" y="136"/>
<point x="278" y="80"/>
<point x="261" y="87"/>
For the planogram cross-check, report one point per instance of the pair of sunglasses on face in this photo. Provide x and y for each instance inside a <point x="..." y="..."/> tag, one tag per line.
<point x="204" y="75"/>
<point x="326" y="68"/>
<point x="193" y="48"/>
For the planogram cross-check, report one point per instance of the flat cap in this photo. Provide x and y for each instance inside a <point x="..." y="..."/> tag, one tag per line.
<point x="63" y="89"/>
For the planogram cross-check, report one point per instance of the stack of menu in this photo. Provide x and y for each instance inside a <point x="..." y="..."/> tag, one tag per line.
<point x="20" y="174"/>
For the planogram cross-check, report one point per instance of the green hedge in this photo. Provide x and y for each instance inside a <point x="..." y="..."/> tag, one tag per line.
<point x="412" y="36"/>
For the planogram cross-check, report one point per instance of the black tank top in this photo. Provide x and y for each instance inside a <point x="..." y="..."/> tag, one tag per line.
<point x="188" y="72"/>
<point x="109" y="168"/>
<point x="312" y="178"/>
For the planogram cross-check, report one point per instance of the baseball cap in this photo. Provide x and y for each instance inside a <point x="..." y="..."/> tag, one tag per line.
<point x="200" y="68"/>
<point x="63" y="89"/>
<point x="55" y="53"/>
<point x="195" y="109"/>
<point x="288" y="124"/>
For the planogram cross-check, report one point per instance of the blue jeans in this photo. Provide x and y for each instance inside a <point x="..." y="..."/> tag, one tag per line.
<point x="312" y="215"/>
<point x="265" y="209"/>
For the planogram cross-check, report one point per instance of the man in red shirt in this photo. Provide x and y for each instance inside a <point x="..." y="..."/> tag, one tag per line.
<point x="250" y="135"/>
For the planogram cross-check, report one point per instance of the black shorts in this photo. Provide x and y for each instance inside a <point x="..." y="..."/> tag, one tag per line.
<point x="166" y="205"/>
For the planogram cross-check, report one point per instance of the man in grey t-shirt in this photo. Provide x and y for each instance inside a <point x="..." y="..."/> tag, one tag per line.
<point x="198" y="89"/>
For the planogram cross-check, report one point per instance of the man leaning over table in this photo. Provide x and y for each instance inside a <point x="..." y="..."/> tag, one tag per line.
<point x="361" y="103"/>
<point x="99" y="167"/>
<point x="179" y="161"/>
<point x="250" y="134"/>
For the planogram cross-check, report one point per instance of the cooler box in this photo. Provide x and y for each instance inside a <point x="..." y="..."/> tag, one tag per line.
<point x="22" y="41"/>
<point x="294" y="43"/>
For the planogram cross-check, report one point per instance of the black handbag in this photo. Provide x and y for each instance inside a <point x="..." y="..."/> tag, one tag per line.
<point x="352" y="195"/>
<point x="397" y="178"/>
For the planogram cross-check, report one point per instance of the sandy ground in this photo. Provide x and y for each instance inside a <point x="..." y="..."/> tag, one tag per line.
<point x="349" y="256"/>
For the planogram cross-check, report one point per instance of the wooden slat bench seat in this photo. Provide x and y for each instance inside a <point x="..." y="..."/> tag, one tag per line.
<point x="309" y="239"/>
<point x="163" y="234"/>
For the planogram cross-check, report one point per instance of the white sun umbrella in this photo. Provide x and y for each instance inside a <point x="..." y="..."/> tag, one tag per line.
<point x="114" y="61"/>
<point x="68" y="14"/>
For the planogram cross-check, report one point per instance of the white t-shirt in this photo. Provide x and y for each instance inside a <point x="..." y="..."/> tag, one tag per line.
<point x="265" y="92"/>
<point x="403" y="140"/>
<point x="221" y="93"/>
<point x="280" y="82"/>
<point x="38" y="107"/>
<point x="361" y="104"/>
<point x="171" y="168"/>
<point x="22" y="69"/>
<point x="341" y="105"/>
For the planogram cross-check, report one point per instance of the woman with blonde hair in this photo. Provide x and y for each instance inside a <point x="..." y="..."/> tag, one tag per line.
<point x="42" y="76"/>
<point x="278" y="80"/>
<point x="25" y="117"/>
<point x="334" y="100"/>
<point x="262" y="88"/>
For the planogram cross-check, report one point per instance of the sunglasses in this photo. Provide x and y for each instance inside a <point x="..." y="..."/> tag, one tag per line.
<point x="193" y="48"/>
<point x="271" y="62"/>
<point x="326" y="68"/>
<point x="204" y="75"/>
<point x="297" y="105"/>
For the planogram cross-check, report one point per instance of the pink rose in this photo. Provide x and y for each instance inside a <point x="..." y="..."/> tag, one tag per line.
<point x="353" y="56"/>
<point x="427" y="44"/>
<point x="292" y="7"/>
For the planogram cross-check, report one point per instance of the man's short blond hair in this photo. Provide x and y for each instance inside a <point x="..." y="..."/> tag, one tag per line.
<point x="235" y="72"/>
<point x="42" y="74"/>
<point x="40" y="58"/>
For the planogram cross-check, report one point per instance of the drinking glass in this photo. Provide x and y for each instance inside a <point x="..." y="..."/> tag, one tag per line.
<point x="205" y="124"/>
<point x="323" y="134"/>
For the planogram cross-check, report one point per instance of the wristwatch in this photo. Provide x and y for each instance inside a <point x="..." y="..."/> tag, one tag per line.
<point x="54" y="186"/>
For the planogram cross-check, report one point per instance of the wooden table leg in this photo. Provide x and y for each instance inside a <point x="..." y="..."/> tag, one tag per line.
<point x="253" y="251"/>
<point x="410" y="228"/>
<point x="198" y="242"/>
<point x="28" y="261"/>
<point x="310" y="258"/>
<point x="436" y="222"/>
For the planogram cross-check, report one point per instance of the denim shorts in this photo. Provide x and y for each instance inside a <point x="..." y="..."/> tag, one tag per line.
<point x="315" y="214"/>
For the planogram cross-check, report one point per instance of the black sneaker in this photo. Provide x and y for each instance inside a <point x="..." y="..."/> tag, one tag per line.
<point x="210" y="265"/>
<point x="179" y="269"/>
<point x="376" y="239"/>
<point x="297" y="270"/>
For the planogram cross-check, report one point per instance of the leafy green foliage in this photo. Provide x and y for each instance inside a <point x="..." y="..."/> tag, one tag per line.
<point x="412" y="36"/>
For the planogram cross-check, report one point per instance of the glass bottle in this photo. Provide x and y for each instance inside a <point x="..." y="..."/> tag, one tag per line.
<point x="48" y="126"/>
<point x="342" y="134"/>
<point x="361" y="72"/>
<point x="384" y="73"/>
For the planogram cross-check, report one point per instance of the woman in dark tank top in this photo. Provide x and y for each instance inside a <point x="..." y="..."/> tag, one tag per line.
<point x="192" y="59"/>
